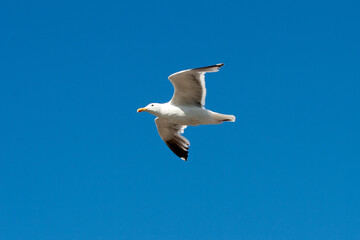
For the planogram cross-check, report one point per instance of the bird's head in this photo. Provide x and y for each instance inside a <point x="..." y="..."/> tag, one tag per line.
<point x="152" y="108"/>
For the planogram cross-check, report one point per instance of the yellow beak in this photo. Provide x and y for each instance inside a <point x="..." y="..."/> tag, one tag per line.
<point x="141" y="109"/>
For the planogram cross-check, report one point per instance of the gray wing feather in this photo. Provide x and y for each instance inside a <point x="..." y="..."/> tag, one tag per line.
<point x="170" y="133"/>
<point x="189" y="85"/>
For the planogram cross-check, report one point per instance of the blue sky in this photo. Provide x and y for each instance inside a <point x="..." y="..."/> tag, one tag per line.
<point x="78" y="162"/>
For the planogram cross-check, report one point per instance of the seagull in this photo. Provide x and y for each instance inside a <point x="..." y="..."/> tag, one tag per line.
<point x="186" y="108"/>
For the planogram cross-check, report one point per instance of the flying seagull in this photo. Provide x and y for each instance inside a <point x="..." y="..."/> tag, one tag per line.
<point x="186" y="108"/>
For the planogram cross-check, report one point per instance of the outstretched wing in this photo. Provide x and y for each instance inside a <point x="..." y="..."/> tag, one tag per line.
<point x="170" y="133"/>
<point x="189" y="85"/>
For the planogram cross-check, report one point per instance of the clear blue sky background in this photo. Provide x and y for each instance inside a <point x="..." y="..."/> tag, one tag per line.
<point x="78" y="162"/>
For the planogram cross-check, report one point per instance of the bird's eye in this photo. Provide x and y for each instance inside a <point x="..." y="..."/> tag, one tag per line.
<point x="152" y="105"/>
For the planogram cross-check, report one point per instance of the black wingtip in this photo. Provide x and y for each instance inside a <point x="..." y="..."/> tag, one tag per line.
<point x="219" y="65"/>
<point x="178" y="150"/>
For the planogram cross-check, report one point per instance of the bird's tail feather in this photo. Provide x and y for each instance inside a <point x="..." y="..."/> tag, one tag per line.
<point x="224" y="117"/>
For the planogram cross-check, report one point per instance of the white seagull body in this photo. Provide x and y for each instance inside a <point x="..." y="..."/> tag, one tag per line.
<point x="185" y="108"/>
